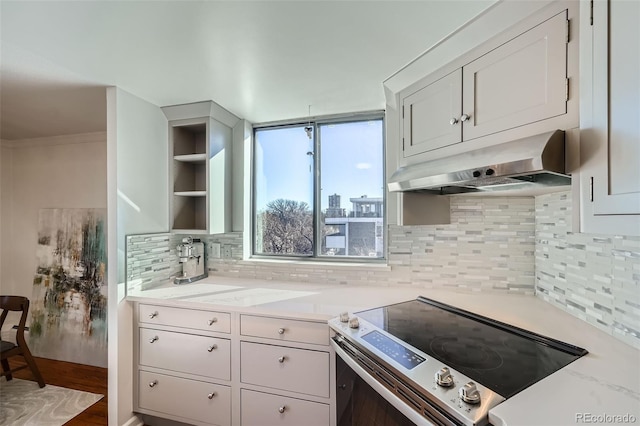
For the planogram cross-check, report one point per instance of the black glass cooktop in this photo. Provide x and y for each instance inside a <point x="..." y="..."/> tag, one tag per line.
<point x="503" y="358"/>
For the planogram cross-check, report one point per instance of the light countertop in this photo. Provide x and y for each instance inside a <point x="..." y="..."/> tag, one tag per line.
<point x="596" y="388"/>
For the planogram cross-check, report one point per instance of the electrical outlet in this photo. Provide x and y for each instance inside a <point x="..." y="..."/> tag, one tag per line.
<point x="226" y="251"/>
<point x="215" y="251"/>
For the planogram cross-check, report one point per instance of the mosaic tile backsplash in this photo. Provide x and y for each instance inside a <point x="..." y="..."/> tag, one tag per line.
<point x="151" y="259"/>
<point x="488" y="246"/>
<point x="516" y="244"/>
<point x="593" y="277"/>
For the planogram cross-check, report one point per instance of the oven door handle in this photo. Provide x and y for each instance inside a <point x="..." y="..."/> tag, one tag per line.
<point x="410" y="413"/>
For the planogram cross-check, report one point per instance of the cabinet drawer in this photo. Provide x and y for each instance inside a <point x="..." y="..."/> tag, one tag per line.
<point x="280" y="367"/>
<point x="285" y="329"/>
<point x="189" y="318"/>
<point x="188" y="353"/>
<point x="190" y="399"/>
<point x="264" y="409"/>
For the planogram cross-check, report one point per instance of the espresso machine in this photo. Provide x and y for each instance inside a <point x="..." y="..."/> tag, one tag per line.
<point x="191" y="254"/>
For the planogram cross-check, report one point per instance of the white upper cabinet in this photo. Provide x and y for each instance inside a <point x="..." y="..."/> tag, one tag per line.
<point x="520" y="82"/>
<point x="610" y="118"/>
<point x="515" y="85"/>
<point x="430" y="115"/>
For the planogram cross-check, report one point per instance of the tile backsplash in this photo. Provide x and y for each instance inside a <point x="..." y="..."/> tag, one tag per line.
<point x="151" y="259"/>
<point x="519" y="245"/>
<point x="488" y="246"/>
<point x="593" y="277"/>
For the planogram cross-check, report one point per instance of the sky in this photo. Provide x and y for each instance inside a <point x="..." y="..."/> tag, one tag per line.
<point x="351" y="163"/>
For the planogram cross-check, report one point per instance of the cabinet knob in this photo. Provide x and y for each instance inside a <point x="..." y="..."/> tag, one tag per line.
<point x="453" y="121"/>
<point x="281" y="359"/>
<point x="152" y="384"/>
<point x="465" y="117"/>
<point x="281" y="331"/>
<point x="153" y="315"/>
<point x="213" y="320"/>
<point x="153" y="339"/>
<point x="211" y="395"/>
<point x="282" y="409"/>
<point x="212" y="348"/>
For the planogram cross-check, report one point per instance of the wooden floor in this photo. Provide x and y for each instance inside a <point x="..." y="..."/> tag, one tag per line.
<point x="73" y="376"/>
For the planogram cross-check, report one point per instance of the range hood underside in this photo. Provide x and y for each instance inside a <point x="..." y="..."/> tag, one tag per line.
<point x="534" y="165"/>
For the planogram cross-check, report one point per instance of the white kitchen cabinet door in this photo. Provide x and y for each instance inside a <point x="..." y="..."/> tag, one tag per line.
<point x="520" y="82"/>
<point x="281" y="329"/>
<point x="186" y="353"/>
<point x="610" y="120"/>
<point x="187" y="399"/>
<point x="189" y="318"/>
<point x="430" y="116"/>
<point x="281" y="367"/>
<point x="265" y="409"/>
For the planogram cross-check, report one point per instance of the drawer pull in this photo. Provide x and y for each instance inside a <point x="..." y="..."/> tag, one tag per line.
<point x="212" y="348"/>
<point x="153" y="339"/>
<point x="282" y="409"/>
<point x="153" y="315"/>
<point x="152" y="384"/>
<point x="281" y="359"/>
<point x="211" y="395"/>
<point x="213" y="320"/>
<point x="281" y="331"/>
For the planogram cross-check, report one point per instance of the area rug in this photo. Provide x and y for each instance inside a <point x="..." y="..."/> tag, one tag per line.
<point x="22" y="402"/>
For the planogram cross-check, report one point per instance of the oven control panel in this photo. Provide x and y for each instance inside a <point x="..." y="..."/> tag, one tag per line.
<point x="394" y="350"/>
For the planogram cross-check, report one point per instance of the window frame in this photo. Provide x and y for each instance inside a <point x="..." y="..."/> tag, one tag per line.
<point x="315" y="123"/>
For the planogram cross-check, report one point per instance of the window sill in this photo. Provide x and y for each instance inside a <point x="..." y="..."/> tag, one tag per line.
<point x="381" y="265"/>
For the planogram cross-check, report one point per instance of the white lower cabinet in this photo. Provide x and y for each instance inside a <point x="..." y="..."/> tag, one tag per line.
<point x="266" y="409"/>
<point x="282" y="367"/>
<point x="202" y="355"/>
<point x="204" y="368"/>
<point x="189" y="399"/>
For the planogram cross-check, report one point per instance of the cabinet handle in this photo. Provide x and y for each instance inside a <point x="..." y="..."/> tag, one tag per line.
<point x="211" y="395"/>
<point x="213" y="320"/>
<point x="465" y="117"/>
<point x="281" y="359"/>
<point x="212" y="348"/>
<point x="282" y="409"/>
<point x="153" y="315"/>
<point x="153" y="339"/>
<point x="152" y="384"/>
<point x="281" y="331"/>
<point x="453" y="121"/>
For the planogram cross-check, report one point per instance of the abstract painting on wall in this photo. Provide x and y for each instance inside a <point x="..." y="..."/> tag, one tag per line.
<point x="69" y="303"/>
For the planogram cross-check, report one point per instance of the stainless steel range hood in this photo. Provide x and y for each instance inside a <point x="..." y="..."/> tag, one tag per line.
<point x="532" y="163"/>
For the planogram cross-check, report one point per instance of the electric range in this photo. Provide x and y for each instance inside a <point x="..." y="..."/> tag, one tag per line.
<point x="442" y="365"/>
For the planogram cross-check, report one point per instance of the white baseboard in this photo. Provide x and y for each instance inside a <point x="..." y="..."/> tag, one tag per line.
<point x="133" y="421"/>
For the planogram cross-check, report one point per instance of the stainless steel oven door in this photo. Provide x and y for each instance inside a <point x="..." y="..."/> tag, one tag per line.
<point x="361" y="400"/>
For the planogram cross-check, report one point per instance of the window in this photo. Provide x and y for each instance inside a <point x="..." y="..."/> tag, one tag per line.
<point x="319" y="189"/>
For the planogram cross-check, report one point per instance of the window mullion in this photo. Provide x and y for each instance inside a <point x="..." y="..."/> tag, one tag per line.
<point x="317" y="226"/>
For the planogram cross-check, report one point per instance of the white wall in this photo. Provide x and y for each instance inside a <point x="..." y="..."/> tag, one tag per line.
<point x="138" y="200"/>
<point x="58" y="172"/>
<point x="6" y="153"/>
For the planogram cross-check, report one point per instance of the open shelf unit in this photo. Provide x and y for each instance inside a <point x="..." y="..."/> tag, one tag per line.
<point x="200" y="169"/>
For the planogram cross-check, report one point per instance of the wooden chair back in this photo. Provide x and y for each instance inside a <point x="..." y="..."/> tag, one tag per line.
<point x="17" y="304"/>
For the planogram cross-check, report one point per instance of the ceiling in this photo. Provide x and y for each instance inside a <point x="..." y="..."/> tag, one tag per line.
<point x="261" y="60"/>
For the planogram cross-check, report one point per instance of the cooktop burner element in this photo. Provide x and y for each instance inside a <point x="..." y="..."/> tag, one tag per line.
<point x="449" y="365"/>
<point x="462" y="353"/>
